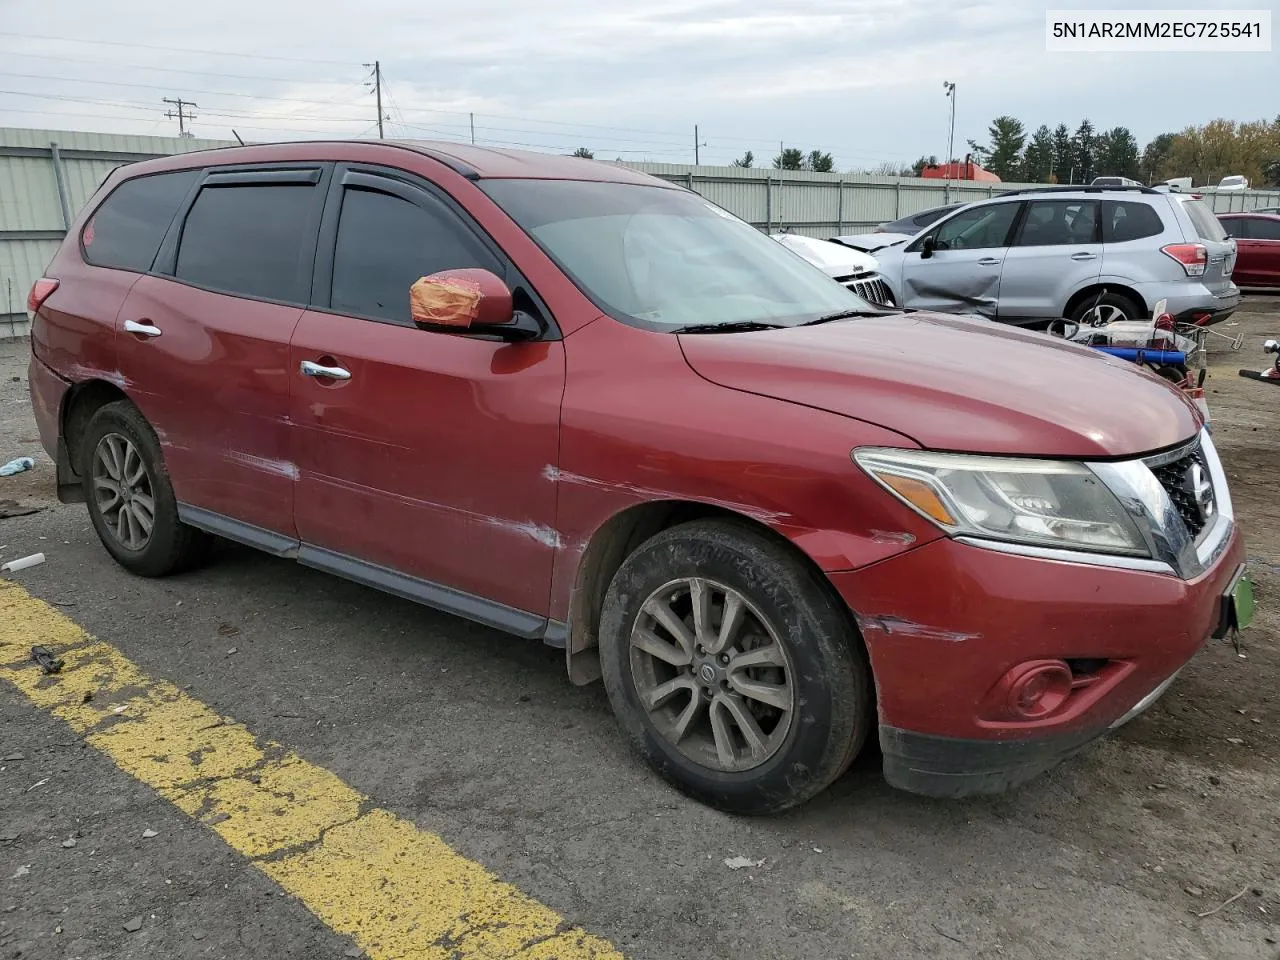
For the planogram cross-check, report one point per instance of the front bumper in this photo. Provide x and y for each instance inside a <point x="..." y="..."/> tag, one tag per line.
<point x="945" y="622"/>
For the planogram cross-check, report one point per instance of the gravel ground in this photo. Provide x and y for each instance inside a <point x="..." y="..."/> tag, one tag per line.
<point x="479" y="737"/>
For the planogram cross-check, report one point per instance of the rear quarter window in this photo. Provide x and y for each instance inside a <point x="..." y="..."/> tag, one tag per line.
<point x="126" y="230"/>
<point x="1202" y="218"/>
<point x="1124" y="220"/>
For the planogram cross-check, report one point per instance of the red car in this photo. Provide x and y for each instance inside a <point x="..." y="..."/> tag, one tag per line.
<point x="1257" y="238"/>
<point x="591" y="408"/>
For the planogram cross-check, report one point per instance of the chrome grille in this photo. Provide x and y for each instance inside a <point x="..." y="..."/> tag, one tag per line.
<point x="869" y="287"/>
<point x="1189" y="485"/>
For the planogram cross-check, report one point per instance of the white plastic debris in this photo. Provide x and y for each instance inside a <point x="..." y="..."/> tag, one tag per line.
<point x="13" y="566"/>
<point x="16" y="466"/>
<point x="742" y="863"/>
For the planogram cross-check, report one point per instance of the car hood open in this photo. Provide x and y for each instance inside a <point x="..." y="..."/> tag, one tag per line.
<point x="952" y="383"/>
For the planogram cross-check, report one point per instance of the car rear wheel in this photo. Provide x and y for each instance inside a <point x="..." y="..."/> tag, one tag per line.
<point x="732" y="669"/>
<point x="131" y="501"/>
<point x="1111" y="308"/>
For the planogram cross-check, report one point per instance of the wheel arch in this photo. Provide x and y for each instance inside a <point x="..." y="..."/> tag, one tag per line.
<point x="615" y="540"/>
<point x="1096" y="287"/>
<point x="81" y="402"/>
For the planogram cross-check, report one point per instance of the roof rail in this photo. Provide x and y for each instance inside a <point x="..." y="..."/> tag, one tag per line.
<point x="1070" y="189"/>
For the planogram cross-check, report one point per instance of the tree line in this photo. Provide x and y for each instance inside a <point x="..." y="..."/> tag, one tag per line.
<point x="1206" y="153"/>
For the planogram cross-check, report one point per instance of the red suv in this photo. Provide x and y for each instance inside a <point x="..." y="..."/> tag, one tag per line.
<point x="591" y="408"/>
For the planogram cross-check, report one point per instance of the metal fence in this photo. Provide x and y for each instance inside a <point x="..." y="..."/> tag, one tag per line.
<point x="46" y="176"/>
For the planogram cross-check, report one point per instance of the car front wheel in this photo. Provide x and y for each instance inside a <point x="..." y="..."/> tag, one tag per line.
<point x="732" y="668"/>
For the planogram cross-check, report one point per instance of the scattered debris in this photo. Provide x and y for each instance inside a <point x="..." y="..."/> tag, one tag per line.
<point x="149" y="833"/>
<point x="197" y="934"/>
<point x="742" y="863"/>
<point x="1236" y="740"/>
<point x="11" y="508"/>
<point x="228" y="630"/>
<point x="86" y="696"/>
<point x="22" y="871"/>
<point x="1227" y="902"/>
<point x="233" y="651"/>
<point x="16" y="466"/>
<point x="38" y="783"/>
<point x="120" y="709"/>
<point x="13" y="566"/>
<point x="817" y="849"/>
<point x="69" y="842"/>
<point x="48" y="662"/>
<point x="1040" y="885"/>
<point x="13" y="757"/>
<point x="1216" y="781"/>
<point x="133" y="925"/>
<point x="942" y="933"/>
<point x="218" y="818"/>
<point x="1194" y="891"/>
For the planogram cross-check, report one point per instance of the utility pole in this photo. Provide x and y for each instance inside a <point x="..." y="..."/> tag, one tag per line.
<point x="473" y="129"/>
<point x="377" y="91"/>
<point x="950" y="89"/>
<point x="180" y="114"/>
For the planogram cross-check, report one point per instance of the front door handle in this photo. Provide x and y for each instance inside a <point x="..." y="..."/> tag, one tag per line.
<point x="309" y="369"/>
<point x="989" y="261"/>
<point x="1084" y="256"/>
<point x="141" y="329"/>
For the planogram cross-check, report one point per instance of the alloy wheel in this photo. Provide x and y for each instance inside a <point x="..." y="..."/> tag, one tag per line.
<point x="1103" y="314"/>
<point x="713" y="674"/>
<point x="123" y="492"/>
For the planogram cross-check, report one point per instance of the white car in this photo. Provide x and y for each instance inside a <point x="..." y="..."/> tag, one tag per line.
<point x="1235" y="182"/>
<point x="856" y="270"/>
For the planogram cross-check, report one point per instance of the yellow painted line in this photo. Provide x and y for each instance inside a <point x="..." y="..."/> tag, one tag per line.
<point x="400" y="892"/>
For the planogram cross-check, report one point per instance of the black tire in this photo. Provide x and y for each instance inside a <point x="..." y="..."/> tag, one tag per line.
<point x="172" y="546"/>
<point x="1108" y="304"/>
<point x="828" y="668"/>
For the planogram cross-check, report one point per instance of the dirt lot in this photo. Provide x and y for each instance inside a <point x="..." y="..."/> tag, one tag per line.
<point x="479" y="738"/>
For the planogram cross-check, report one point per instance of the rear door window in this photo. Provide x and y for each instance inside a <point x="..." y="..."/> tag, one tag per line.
<point x="386" y="243"/>
<point x="1202" y="218"/>
<point x="126" y="230"/>
<point x="248" y="239"/>
<point x="1260" y="229"/>
<point x="1124" y="220"/>
<point x="1053" y="223"/>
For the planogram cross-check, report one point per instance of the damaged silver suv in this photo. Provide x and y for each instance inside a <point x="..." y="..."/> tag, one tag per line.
<point x="1093" y="254"/>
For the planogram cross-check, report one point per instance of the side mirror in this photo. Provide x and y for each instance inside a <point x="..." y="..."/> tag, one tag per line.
<point x="927" y="247"/>
<point x="461" y="299"/>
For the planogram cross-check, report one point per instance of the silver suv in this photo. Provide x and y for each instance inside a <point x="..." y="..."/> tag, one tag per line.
<point x="1087" y="253"/>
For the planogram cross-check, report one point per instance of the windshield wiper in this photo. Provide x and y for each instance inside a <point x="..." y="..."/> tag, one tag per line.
<point x="734" y="326"/>
<point x="845" y="315"/>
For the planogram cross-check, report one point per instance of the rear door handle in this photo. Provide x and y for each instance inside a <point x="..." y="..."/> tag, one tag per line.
<point x="309" y="369"/>
<point x="141" y="329"/>
<point x="988" y="261"/>
<point x="1084" y="256"/>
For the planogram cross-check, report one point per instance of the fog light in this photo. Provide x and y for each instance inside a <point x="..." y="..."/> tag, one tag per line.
<point x="1038" y="688"/>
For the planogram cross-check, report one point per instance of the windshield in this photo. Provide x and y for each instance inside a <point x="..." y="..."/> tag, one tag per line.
<point x="666" y="259"/>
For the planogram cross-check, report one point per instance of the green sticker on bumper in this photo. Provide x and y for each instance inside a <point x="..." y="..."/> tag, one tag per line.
<point x="1242" y="601"/>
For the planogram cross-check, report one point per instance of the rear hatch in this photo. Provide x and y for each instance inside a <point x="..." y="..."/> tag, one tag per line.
<point x="1221" y="248"/>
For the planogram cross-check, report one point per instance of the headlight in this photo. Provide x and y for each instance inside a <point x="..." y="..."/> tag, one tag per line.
<point x="1040" y="502"/>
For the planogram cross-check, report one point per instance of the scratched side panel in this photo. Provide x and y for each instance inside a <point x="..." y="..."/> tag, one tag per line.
<point x="640" y="426"/>
<point x="215" y="386"/>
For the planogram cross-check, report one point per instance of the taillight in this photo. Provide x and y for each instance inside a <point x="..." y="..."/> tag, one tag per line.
<point x="1192" y="256"/>
<point x="40" y="291"/>
<point x="1166" y="322"/>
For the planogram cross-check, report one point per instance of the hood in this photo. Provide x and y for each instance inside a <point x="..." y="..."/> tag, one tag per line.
<point x="871" y="242"/>
<point x="831" y="258"/>
<point x="952" y="383"/>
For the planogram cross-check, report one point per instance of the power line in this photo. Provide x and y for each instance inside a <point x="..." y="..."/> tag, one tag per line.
<point x="134" y="66"/>
<point x="157" y="86"/>
<point x="179" y="104"/>
<point x="151" y="46"/>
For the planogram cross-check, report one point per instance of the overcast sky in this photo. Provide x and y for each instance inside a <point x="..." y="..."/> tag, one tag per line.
<point x="860" y="78"/>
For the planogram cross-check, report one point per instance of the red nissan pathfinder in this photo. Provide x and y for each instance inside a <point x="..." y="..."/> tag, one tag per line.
<point x="589" y="407"/>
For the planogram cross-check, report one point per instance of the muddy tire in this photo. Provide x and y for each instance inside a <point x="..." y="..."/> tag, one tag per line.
<point x="733" y="669"/>
<point x="130" y="499"/>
